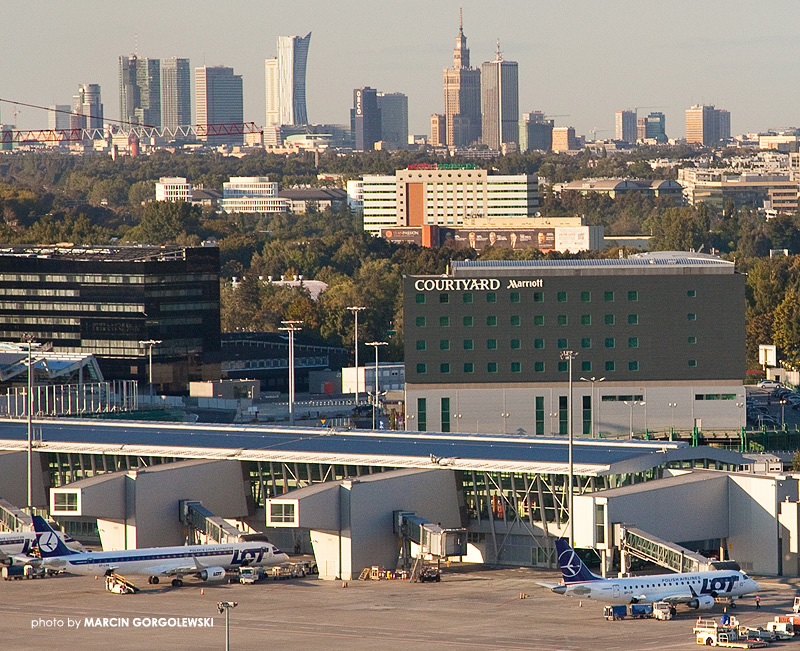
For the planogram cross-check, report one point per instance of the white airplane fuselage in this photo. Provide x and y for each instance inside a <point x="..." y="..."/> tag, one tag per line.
<point x="658" y="587"/>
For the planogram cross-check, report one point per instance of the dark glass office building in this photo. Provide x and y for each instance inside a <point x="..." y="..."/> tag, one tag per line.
<point x="659" y="342"/>
<point x="109" y="300"/>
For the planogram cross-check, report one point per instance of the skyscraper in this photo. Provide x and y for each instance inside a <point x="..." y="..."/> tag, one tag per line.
<point x="88" y="105"/>
<point x="140" y="90"/>
<point x="176" y="92"/>
<point x="218" y="101"/>
<point x="394" y="118"/>
<point x="707" y="125"/>
<point x="58" y="116"/>
<point x="365" y="118"/>
<point x="656" y="127"/>
<point x="499" y="102"/>
<point x="625" y="126"/>
<point x="462" y="97"/>
<point x="285" y="78"/>
<point x="535" y="132"/>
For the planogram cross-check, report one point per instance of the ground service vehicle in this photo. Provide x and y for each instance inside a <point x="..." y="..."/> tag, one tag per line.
<point x="796" y="606"/>
<point x="784" y="630"/>
<point x="641" y="611"/>
<point x="711" y="633"/>
<point x="250" y="574"/>
<point x="612" y="613"/>
<point x="14" y="572"/>
<point x="662" y="610"/>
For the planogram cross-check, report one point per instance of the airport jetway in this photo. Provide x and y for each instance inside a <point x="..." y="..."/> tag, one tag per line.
<point x="14" y="519"/>
<point x="204" y="526"/>
<point x="655" y="550"/>
<point x="432" y="539"/>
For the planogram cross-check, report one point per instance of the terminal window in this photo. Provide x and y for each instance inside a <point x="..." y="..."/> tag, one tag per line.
<point x="422" y="414"/>
<point x="281" y="513"/>
<point x="540" y="411"/>
<point x="65" y="502"/>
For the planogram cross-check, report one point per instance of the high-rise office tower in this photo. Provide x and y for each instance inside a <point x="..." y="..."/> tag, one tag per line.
<point x="564" y="139"/>
<point x="499" y="102"/>
<point x="58" y="116"/>
<point x="535" y="132"/>
<point x="219" y="100"/>
<point x="707" y="125"/>
<point x="88" y="107"/>
<point x="365" y="119"/>
<point x="656" y="127"/>
<point x="140" y="90"/>
<point x="462" y="96"/>
<point x="625" y="124"/>
<point x="176" y="92"/>
<point x="394" y="118"/>
<point x="285" y="78"/>
<point x="438" y="130"/>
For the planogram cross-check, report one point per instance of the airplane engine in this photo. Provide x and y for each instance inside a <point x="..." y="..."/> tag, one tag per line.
<point x="702" y="603"/>
<point x="217" y="574"/>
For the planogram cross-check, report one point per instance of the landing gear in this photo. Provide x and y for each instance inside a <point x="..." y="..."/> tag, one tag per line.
<point x="152" y="580"/>
<point x="177" y="583"/>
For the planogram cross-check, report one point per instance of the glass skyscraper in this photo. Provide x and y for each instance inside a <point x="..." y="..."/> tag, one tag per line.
<point x="285" y="78"/>
<point x="176" y="92"/>
<point x="219" y="101"/>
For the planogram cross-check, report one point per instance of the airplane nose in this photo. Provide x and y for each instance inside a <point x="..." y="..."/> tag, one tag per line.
<point x="755" y="585"/>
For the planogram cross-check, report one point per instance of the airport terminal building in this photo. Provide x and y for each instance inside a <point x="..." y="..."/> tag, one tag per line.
<point x="658" y="340"/>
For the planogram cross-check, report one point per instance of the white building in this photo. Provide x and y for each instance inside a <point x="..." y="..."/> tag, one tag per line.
<point x="173" y="188"/>
<point x="444" y="195"/>
<point x="252" y="194"/>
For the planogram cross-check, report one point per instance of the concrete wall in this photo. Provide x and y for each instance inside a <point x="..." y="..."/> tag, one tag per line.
<point x="14" y="479"/>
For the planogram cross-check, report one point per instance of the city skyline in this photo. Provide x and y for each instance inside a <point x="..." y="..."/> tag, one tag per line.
<point x="692" y="54"/>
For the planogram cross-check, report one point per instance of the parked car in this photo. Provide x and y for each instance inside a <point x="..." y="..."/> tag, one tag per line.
<point x="769" y="384"/>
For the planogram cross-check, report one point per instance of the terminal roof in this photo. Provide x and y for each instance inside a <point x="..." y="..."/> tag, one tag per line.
<point x="390" y="449"/>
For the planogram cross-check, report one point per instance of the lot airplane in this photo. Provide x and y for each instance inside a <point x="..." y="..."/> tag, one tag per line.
<point x="16" y="546"/>
<point x="695" y="589"/>
<point x="206" y="562"/>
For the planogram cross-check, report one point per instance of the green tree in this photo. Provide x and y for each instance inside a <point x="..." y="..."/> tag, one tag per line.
<point x="786" y="328"/>
<point x="165" y="222"/>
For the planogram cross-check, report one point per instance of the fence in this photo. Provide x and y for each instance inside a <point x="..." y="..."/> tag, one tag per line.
<point x="71" y="399"/>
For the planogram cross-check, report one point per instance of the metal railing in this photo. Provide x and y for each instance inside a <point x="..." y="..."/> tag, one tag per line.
<point x="663" y="553"/>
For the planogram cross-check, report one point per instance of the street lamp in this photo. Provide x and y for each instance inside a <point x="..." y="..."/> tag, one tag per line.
<point x="376" y="345"/>
<point x="597" y="408"/>
<point x="225" y="607"/>
<point x="28" y="339"/>
<point x="291" y="327"/>
<point x="504" y="415"/>
<point x="569" y="355"/>
<point x="150" y="343"/>
<point x="355" y="310"/>
<point x="672" y="406"/>
<point x="630" y="404"/>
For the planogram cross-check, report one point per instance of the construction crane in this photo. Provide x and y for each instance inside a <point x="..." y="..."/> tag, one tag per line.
<point x="595" y="131"/>
<point x="124" y="128"/>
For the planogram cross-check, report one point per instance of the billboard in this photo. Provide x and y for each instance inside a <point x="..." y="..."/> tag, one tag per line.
<point x="543" y="239"/>
<point x="403" y="235"/>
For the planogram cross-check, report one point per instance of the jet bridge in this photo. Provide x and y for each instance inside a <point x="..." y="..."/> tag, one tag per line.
<point x="204" y="526"/>
<point x="14" y="519"/>
<point x="432" y="539"/>
<point x="655" y="550"/>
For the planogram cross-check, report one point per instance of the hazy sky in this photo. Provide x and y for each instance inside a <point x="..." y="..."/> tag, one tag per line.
<point x="578" y="58"/>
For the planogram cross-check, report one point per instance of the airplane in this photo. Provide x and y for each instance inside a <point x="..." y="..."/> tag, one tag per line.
<point x="695" y="589"/>
<point x="16" y="546"/>
<point x="206" y="562"/>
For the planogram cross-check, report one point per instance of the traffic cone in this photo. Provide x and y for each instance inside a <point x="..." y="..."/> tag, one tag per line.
<point x="580" y="604"/>
<point x="202" y="590"/>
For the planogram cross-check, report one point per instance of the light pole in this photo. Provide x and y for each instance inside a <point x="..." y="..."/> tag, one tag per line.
<point x="672" y="406"/>
<point x="376" y="345"/>
<point x="630" y="404"/>
<point x="225" y="607"/>
<point x="504" y="415"/>
<point x="355" y="310"/>
<point x="569" y="355"/>
<point x="28" y="339"/>
<point x="595" y="406"/>
<point x="291" y="327"/>
<point x="150" y="343"/>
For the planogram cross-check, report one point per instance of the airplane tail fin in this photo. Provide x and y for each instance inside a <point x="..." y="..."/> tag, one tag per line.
<point x="572" y="567"/>
<point x="48" y="541"/>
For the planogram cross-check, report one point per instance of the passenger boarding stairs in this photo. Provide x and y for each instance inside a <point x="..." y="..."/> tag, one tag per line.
<point x="666" y="554"/>
<point x="206" y="527"/>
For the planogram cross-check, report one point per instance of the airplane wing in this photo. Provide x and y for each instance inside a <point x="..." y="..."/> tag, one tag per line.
<point x="168" y="569"/>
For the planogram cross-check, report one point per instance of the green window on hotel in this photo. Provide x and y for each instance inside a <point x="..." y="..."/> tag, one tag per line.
<point x="421" y="368"/>
<point x="444" y="321"/>
<point x="586" y="366"/>
<point x="514" y="297"/>
<point x="633" y="342"/>
<point x="633" y="296"/>
<point x="562" y="344"/>
<point x="586" y="342"/>
<point x="420" y="298"/>
<point x="692" y="362"/>
<point x="420" y="344"/>
<point x="538" y="297"/>
<point x="610" y="366"/>
<point x="515" y="320"/>
<point x="633" y="319"/>
<point x="691" y="340"/>
<point x="444" y="367"/>
<point x="444" y="344"/>
<point x="562" y="367"/>
<point x="491" y="344"/>
<point x="608" y="296"/>
<point x="469" y="344"/>
<point x="467" y="321"/>
<point x="516" y="367"/>
<point x="586" y="297"/>
<point x="420" y="322"/>
<point x="561" y="297"/>
<point x="491" y="320"/>
<point x="610" y="343"/>
<point x="691" y="316"/>
<point x="538" y="367"/>
<point x="515" y="344"/>
<point x="691" y="293"/>
<point x="444" y="298"/>
<point x="562" y="319"/>
<point x="538" y="320"/>
<point x="586" y="319"/>
<point x="633" y="366"/>
<point x="491" y="297"/>
<point x="538" y="343"/>
<point x="491" y="367"/>
<point x="609" y="319"/>
<point x="468" y="367"/>
<point x="467" y="297"/>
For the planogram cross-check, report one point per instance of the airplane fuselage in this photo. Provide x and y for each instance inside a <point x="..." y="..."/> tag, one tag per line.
<point x="664" y="587"/>
<point x="158" y="559"/>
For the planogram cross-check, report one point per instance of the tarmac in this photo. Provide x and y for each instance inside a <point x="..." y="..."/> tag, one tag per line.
<point x="471" y="608"/>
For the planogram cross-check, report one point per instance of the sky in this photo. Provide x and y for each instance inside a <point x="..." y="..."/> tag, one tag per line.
<point x="580" y="60"/>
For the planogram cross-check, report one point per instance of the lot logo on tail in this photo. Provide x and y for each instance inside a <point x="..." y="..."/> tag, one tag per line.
<point x="48" y="542"/>
<point x="570" y="563"/>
